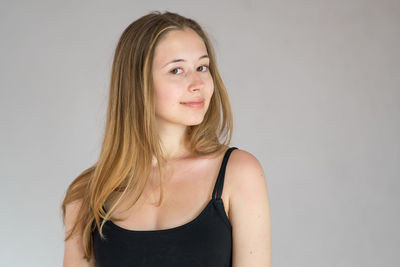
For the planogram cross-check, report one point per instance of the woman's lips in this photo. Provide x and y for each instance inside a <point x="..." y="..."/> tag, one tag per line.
<point x="193" y="104"/>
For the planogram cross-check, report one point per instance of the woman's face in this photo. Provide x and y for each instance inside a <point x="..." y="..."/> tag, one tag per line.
<point x="181" y="74"/>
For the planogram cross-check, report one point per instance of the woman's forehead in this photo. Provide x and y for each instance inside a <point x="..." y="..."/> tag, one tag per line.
<point x="179" y="45"/>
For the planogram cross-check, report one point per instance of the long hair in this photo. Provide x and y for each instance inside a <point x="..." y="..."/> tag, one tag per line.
<point x="131" y="141"/>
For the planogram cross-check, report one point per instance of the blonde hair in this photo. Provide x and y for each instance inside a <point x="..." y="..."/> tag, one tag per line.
<point x="130" y="138"/>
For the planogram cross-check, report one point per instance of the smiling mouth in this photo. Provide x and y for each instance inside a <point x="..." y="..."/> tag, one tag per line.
<point x="193" y="104"/>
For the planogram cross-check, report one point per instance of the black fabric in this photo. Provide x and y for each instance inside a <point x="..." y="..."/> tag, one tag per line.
<point x="205" y="241"/>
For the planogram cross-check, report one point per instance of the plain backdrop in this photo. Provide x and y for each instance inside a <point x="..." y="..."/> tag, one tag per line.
<point x="315" y="91"/>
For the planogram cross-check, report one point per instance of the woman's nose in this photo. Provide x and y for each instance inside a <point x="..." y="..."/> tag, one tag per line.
<point x="195" y="80"/>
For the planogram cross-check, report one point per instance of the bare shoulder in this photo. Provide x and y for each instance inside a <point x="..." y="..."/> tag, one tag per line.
<point x="244" y="170"/>
<point x="239" y="155"/>
<point x="244" y="177"/>
<point x="249" y="210"/>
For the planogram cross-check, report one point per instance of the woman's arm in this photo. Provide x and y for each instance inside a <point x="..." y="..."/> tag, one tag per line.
<point x="249" y="212"/>
<point x="73" y="250"/>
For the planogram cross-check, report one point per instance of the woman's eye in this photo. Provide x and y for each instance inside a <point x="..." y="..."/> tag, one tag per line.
<point x="179" y="68"/>
<point x="173" y="71"/>
<point x="205" y="66"/>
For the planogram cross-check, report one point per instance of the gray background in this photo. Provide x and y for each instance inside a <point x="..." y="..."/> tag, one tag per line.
<point x="315" y="91"/>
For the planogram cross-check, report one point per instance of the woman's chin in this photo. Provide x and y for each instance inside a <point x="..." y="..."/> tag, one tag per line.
<point x="194" y="122"/>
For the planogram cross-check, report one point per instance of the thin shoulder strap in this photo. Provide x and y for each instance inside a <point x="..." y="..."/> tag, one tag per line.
<point x="219" y="184"/>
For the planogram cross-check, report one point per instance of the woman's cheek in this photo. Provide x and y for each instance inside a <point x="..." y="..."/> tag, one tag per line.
<point x="211" y="86"/>
<point x="168" y="96"/>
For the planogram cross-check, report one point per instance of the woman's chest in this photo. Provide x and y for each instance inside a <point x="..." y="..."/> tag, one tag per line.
<point x="187" y="190"/>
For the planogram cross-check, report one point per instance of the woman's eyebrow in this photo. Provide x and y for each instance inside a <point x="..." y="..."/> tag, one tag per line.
<point x="180" y="59"/>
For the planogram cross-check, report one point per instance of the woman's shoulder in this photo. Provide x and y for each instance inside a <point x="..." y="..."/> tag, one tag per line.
<point x="241" y="161"/>
<point x="243" y="172"/>
<point x="249" y="211"/>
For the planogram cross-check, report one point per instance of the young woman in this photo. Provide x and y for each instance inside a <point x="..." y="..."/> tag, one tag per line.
<point x="163" y="192"/>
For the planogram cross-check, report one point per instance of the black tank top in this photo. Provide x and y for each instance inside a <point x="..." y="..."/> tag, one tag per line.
<point x="206" y="241"/>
